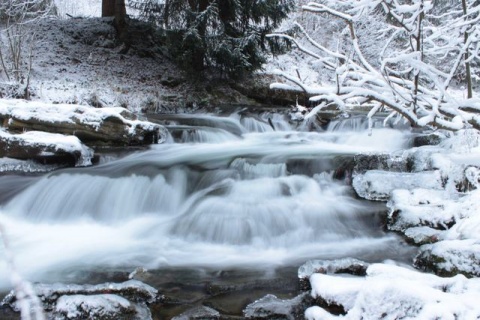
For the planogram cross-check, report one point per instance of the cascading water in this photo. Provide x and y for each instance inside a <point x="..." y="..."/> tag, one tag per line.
<point x="225" y="192"/>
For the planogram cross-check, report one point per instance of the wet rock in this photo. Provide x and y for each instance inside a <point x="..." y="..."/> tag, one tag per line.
<point x="380" y="161"/>
<point x="200" y="313"/>
<point x="45" y="148"/>
<point x="377" y="185"/>
<point x="450" y="257"/>
<point x="271" y="307"/>
<point x="108" y="301"/>
<point x="431" y="139"/>
<point x="347" y="265"/>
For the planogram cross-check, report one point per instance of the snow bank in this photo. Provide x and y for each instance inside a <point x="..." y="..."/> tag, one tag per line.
<point x="393" y="292"/>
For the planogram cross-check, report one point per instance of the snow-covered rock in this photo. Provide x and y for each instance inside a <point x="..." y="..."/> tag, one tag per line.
<point x="199" y="313"/>
<point x="98" y="307"/>
<point x="345" y="265"/>
<point x="45" y="148"/>
<point x="422" y="235"/>
<point x="421" y="207"/>
<point x="64" y="297"/>
<point x="91" y="125"/>
<point x="378" y="184"/>
<point x="393" y="292"/>
<point x="271" y="307"/>
<point x="450" y="257"/>
<point x="446" y="224"/>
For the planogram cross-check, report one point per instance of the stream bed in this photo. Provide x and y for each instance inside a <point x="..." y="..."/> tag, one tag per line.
<point x="220" y="215"/>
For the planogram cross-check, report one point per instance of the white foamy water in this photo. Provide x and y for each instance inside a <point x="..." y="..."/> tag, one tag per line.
<point x="206" y="202"/>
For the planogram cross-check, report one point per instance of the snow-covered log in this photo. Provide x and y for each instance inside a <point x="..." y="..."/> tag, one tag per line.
<point x="94" y="126"/>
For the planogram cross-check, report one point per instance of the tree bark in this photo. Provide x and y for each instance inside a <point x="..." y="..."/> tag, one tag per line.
<point x="199" y="52"/>
<point x="116" y="9"/>
<point x="108" y="8"/>
<point x="120" y="16"/>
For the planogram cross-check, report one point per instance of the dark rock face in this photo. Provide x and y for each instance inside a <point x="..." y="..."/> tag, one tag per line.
<point x="431" y="139"/>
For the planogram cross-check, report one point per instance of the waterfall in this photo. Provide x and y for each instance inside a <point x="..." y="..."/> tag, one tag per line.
<point x="225" y="191"/>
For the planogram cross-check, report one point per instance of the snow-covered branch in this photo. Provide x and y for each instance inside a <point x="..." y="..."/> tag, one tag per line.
<point x="28" y="303"/>
<point x="421" y="57"/>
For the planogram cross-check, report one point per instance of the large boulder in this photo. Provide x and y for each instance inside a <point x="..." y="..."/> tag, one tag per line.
<point x="93" y="126"/>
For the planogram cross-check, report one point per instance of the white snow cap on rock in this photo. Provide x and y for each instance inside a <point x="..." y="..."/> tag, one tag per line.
<point x="393" y="292"/>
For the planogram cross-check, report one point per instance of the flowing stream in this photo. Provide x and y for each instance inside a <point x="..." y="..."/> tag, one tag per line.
<point x="223" y="193"/>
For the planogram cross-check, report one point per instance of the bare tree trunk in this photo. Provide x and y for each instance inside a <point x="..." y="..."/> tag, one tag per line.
<point x="116" y="9"/>
<point x="120" y="21"/>
<point x="108" y="8"/>
<point x="418" y="48"/>
<point x="467" y="63"/>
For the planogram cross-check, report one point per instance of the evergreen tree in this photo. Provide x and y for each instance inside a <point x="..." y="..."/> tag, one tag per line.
<point x="227" y="35"/>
